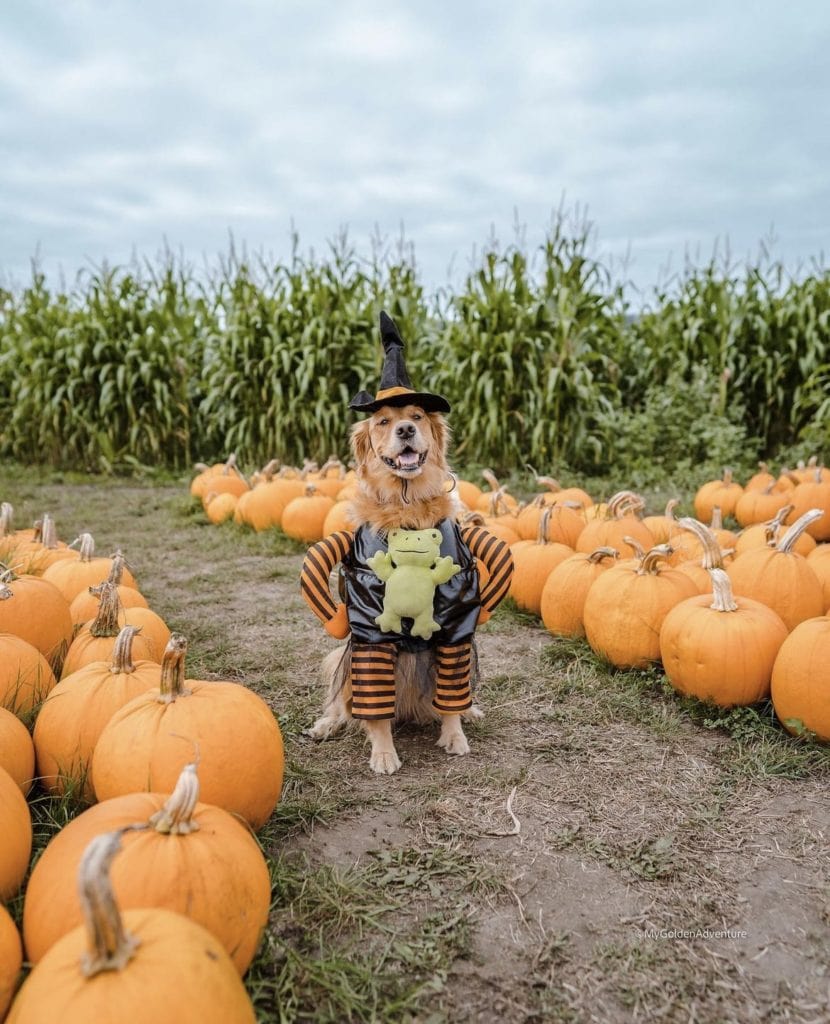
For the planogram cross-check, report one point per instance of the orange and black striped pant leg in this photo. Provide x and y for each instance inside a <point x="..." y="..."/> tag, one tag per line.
<point x="453" y="667"/>
<point x="373" y="681"/>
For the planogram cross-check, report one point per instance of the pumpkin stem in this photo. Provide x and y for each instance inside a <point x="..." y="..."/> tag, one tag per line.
<point x="550" y="482"/>
<point x="106" y="621"/>
<point x="600" y="553"/>
<point x="717" y="518"/>
<point x="544" y="525"/>
<point x="625" y="503"/>
<point x="798" y="527"/>
<point x="772" y="526"/>
<point x="671" y="505"/>
<point x="122" y="653"/>
<point x="176" y="816"/>
<point x="5" y="591"/>
<point x="117" y="569"/>
<point x="6" y="518"/>
<point x="86" y="547"/>
<point x="727" y="477"/>
<point x="200" y="467"/>
<point x="473" y="519"/>
<point x="650" y="563"/>
<point x="712" y="555"/>
<point x="111" y="947"/>
<point x="310" y="490"/>
<point x="268" y="470"/>
<point x="49" y="536"/>
<point x="172" y="670"/>
<point x="636" y="547"/>
<point x="722" y="592"/>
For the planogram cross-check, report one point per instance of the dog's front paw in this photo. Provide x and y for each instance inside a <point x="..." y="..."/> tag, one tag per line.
<point x="325" y="727"/>
<point x="384" y="762"/>
<point x="454" y="743"/>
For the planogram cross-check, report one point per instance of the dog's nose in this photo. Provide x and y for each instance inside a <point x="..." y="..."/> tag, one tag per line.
<point x="405" y="430"/>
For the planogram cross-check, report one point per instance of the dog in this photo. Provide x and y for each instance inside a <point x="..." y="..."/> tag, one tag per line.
<point x="404" y="483"/>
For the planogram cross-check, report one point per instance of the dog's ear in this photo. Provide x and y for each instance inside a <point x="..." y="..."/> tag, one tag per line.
<point x="440" y="432"/>
<point x="361" y="442"/>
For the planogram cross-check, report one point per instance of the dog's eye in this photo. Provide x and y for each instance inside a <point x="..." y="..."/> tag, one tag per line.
<point x="383" y="422"/>
<point x="417" y="416"/>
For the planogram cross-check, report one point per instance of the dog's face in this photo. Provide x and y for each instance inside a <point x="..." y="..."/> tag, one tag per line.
<point x="404" y="441"/>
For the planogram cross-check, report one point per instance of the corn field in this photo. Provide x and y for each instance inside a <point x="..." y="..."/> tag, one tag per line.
<point x="541" y="354"/>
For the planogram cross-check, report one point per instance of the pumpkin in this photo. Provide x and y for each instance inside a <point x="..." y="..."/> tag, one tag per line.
<point x="758" y="505"/>
<point x="85" y="606"/>
<point x="238" y="736"/>
<point x="76" y="711"/>
<point x="563" y="595"/>
<point x="469" y="494"/>
<point x="499" y="530"/>
<point x="761" y="480"/>
<point x="303" y="518"/>
<point x="219" y="508"/>
<point x="339" y="518"/>
<point x="16" y="830"/>
<point x="626" y="605"/>
<point x="564" y="525"/>
<point x="556" y="494"/>
<point x="689" y="546"/>
<point x="533" y="564"/>
<point x="34" y="610"/>
<point x="819" y="562"/>
<point x="227" y="480"/>
<point x="761" y="535"/>
<point x="199" y="483"/>
<point x="48" y="551"/>
<point x="95" y="641"/>
<point x="191" y="857"/>
<point x="17" y="752"/>
<point x="8" y="538"/>
<point x="724" y="493"/>
<point x="329" y="479"/>
<point x="665" y="527"/>
<point x="490" y="500"/>
<point x="800" y="680"/>
<point x="781" y="578"/>
<point x="619" y="524"/>
<point x="813" y="493"/>
<point x="11" y="959"/>
<point x="25" y="675"/>
<point x="711" y="556"/>
<point x="148" y="966"/>
<point x="73" y="575"/>
<point x="720" y="648"/>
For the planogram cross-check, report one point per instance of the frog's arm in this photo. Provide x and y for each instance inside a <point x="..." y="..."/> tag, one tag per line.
<point x="314" y="581"/>
<point x="444" y="569"/>
<point x="381" y="564"/>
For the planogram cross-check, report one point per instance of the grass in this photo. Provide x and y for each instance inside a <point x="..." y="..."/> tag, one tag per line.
<point x="412" y="898"/>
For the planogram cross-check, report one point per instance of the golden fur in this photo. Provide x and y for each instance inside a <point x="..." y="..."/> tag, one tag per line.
<point x="393" y="492"/>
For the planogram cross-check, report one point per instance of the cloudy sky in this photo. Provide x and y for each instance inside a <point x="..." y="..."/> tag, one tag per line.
<point x="125" y="124"/>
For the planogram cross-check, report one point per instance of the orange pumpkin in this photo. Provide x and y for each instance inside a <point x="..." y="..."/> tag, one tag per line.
<point x="564" y="524"/>
<point x="95" y="640"/>
<point x="192" y="858"/>
<point x="761" y="535"/>
<point x="556" y="494"/>
<point x="720" y="648"/>
<point x="25" y="675"/>
<point x="813" y="493"/>
<point x="781" y="578"/>
<point x="761" y="480"/>
<point x="11" y="959"/>
<point x="85" y="606"/>
<point x="563" y="595"/>
<point x="758" y="505"/>
<point x="339" y="518"/>
<point x="800" y="681"/>
<point x="497" y="496"/>
<point x="469" y="493"/>
<point x="17" y="752"/>
<point x="303" y="518"/>
<point x="665" y="527"/>
<point x="219" y="508"/>
<point x="533" y="564"/>
<point x="148" y="966"/>
<point x="723" y="493"/>
<point x="199" y="483"/>
<point x="76" y="711"/>
<point x="819" y="562"/>
<point x="16" y="830"/>
<point x="140" y="748"/>
<point x="626" y="605"/>
<point x="34" y="610"/>
<point x="619" y="524"/>
<point x="711" y="556"/>
<point x="73" y="575"/>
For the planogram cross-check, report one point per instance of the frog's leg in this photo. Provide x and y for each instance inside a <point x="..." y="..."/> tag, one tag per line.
<point x="424" y="624"/>
<point x="389" y="622"/>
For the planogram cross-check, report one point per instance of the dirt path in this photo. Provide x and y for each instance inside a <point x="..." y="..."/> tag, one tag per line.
<point x="661" y="870"/>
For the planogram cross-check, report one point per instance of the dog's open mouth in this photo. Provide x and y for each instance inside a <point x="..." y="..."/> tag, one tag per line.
<point x="406" y="461"/>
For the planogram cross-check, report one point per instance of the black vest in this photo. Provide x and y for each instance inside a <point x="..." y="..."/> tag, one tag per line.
<point x="456" y="603"/>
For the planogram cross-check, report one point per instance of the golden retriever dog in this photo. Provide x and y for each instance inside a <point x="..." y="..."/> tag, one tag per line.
<point x="401" y="458"/>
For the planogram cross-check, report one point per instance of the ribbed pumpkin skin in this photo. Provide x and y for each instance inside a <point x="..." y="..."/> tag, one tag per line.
<point x="782" y="581"/>
<point x="469" y="493"/>
<point x="179" y="973"/>
<point x="624" y="612"/>
<point x="216" y="876"/>
<point x="72" y="576"/>
<point x="303" y="518"/>
<point x="240" y="746"/>
<point x="38" y="613"/>
<point x="754" y="506"/>
<point x="800" y="680"/>
<point x="754" y="537"/>
<point x="564" y="524"/>
<point x="219" y="508"/>
<point x="11" y="959"/>
<point x="564" y="593"/>
<point x="17" y="752"/>
<point x="264" y="506"/>
<point x="338" y="518"/>
<point x="609" y="533"/>
<point x="531" y="567"/>
<point x="16" y="832"/>
<point x="819" y="562"/>
<point x="25" y="675"/>
<point x="85" y="606"/>
<point x="812" y="494"/>
<point x="74" y="715"/>
<point x="723" y="657"/>
<point x="716" y="494"/>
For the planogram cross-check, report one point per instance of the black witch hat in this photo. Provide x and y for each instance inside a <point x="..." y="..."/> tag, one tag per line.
<point x="395" y="385"/>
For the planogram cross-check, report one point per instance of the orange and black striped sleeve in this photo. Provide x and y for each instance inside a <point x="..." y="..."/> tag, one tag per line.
<point x="497" y="558"/>
<point x="314" y="575"/>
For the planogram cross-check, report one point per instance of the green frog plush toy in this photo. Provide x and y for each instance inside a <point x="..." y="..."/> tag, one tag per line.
<point x="412" y="568"/>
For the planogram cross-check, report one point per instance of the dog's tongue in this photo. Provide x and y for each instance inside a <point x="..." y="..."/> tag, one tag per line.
<point x="408" y="460"/>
